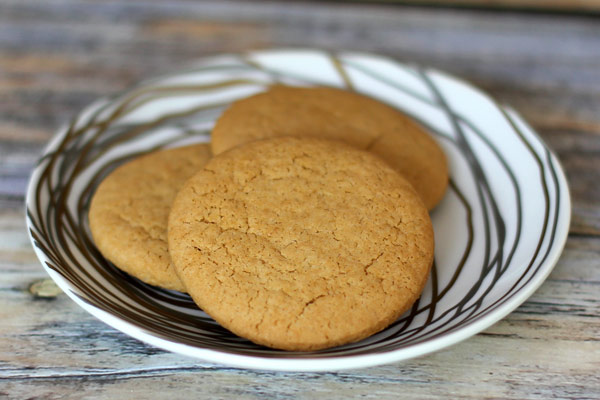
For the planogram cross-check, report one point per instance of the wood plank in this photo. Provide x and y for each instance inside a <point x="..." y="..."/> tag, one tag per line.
<point x="533" y="5"/>
<point x="559" y="327"/>
<point x="57" y="56"/>
<point x="556" y="87"/>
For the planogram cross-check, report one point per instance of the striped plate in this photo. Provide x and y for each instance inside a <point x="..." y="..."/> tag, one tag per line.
<point x="499" y="230"/>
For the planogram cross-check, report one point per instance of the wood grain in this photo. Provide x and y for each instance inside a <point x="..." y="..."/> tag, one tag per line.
<point x="52" y="347"/>
<point x="540" y="5"/>
<point x="58" y="56"/>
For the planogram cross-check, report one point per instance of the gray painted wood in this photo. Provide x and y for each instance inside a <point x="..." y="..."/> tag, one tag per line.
<point x="58" y="56"/>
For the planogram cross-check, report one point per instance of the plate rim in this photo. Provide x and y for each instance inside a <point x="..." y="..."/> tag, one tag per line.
<point x="330" y="363"/>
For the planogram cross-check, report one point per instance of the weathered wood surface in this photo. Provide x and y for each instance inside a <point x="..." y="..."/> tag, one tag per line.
<point x="539" y="5"/>
<point x="57" y="56"/>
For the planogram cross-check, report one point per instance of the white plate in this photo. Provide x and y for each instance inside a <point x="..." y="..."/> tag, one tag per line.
<point x="499" y="230"/>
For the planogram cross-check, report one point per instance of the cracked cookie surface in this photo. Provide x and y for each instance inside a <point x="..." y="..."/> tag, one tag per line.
<point x="300" y="243"/>
<point x="330" y="113"/>
<point x="130" y="209"/>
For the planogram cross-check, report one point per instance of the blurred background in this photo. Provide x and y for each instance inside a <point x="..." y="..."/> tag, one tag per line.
<point x="540" y="56"/>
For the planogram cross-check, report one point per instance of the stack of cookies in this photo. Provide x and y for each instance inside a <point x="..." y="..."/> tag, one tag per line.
<point x="303" y="225"/>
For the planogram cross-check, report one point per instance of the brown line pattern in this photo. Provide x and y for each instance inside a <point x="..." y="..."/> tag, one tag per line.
<point x="337" y="64"/>
<point x="462" y="119"/>
<point x="173" y="316"/>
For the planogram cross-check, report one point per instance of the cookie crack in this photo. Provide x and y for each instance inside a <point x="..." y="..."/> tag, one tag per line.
<point x="145" y="229"/>
<point x="373" y="141"/>
<point x="264" y="239"/>
<point x="304" y="308"/>
<point x="370" y="264"/>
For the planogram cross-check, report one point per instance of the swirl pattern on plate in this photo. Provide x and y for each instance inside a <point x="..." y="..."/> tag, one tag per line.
<point x="499" y="229"/>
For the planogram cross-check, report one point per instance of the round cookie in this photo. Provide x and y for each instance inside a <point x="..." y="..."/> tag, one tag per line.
<point x="300" y="243"/>
<point x="331" y="113"/>
<point x="129" y="212"/>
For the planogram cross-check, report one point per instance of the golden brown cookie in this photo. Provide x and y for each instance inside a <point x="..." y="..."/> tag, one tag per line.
<point x="129" y="212"/>
<point x="300" y="243"/>
<point x="331" y="113"/>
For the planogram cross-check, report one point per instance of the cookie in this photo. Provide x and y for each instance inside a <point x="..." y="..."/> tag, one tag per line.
<point x="331" y="113"/>
<point x="129" y="212"/>
<point x="300" y="243"/>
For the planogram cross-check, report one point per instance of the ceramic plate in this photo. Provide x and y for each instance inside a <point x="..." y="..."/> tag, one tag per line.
<point x="499" y="230"/>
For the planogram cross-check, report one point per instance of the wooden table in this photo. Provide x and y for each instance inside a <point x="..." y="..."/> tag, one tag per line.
<point x="57" y="56"/>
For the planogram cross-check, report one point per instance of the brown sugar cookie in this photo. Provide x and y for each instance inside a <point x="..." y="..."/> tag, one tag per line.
<point x="300" y="243"/>
<point x="129" y="212"/>
<point x="331" y="113"/>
